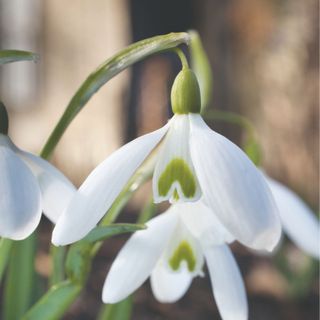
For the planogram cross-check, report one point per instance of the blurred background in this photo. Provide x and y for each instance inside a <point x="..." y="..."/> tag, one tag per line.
<point x="265" y="62"/>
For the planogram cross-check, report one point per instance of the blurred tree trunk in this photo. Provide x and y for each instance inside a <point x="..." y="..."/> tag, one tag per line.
<point x="265" y="61"/>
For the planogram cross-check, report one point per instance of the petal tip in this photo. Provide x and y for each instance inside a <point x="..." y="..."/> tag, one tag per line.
<point x="110" y="296"/>
<point x="268" y="240"/>
<point x="59" y="239"/>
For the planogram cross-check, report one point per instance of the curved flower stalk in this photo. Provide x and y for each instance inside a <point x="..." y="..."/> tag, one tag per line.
<point x="298" y="221"/>
<point x="193" y="162"/>
<point x="172" y="251"/>
<point x="28" y="186"/>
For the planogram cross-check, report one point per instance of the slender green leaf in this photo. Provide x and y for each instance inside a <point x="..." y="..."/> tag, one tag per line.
<point x="7" y="56"/>
<point x="20" y="282"/>
<point x="79" y="257"/>
<point x="105" y="72"/>
<point x="54" y="303"/>
<point x="201" y="66"/>
<point x="103" y="232"/>
<point x="5" y="248"/>
<point x="118" y="311"/>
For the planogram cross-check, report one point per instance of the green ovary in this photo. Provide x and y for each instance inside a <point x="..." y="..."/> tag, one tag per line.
<point x="183" y="252"/>
<point x="177" y="170"/>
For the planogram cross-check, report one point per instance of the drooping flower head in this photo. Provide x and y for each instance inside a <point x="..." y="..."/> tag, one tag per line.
<point x="172" y="251"/>
<point x="192" y="162"/>
<point x="29" y="185"/>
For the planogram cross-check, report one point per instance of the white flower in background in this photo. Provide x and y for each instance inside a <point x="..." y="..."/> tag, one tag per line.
<point x="172" y="251"/>
<point x="298" y="221"/>
<point x="28" y="186"/>
<point x="192" y="162"/>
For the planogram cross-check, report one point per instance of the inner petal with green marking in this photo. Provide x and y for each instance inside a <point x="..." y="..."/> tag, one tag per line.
<point x="182" y="253"/>
<point x="178" y="171"/>
<point x="174" y="177"/>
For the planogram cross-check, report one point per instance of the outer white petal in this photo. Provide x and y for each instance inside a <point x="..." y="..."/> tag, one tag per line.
<point x="20" y="198"/>
<point x="227" y="283"/>
<point x="233" y="188"/>
<point x="101" y="188"/>
<point x="56" y="189"/>
<point x="299" y="222"/>
<point x="168" y="286"/>
<point x="137" y="258"/>
<point x="203" y="224"/>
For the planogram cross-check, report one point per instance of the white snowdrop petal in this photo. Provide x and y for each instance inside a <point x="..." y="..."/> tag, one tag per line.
<point x="20" y="197"/>
<point x="298" y="221"/>
<point x="174" y="178"/>
<point x="168" y="286"/>
<point x="56" y="189"/>
<point x="233" y="188"/>
<point x="137" y="258"/>
<point x="102" y="186"/>
<point x="227" y="284"/>
<point x="203" y="224"/>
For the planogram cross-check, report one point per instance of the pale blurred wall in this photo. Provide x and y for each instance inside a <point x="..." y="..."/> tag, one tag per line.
<point x="74" y="39"/>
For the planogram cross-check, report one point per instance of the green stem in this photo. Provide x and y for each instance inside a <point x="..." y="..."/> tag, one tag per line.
<point x="104" y="73"/>
<point x="57" y="260"/>
<point x="5" y="247"/>
<point x="182" y="57"/>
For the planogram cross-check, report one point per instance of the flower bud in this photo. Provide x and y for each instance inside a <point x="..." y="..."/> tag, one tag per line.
<point x="4" y="121"/>
<point x="185" y="93"/>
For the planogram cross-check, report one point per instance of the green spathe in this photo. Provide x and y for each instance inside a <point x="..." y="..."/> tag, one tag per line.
<point x="185" y="93"/>
<point x="201" y="66"/>
<point x="4" y="120"/>
<point x="183" y="252"/>
<point x="177" y="170"/>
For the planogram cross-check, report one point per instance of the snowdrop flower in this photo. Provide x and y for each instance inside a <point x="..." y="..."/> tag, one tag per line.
<point x="298" y="221"/>
<point x="28" y="186"/>
<point x="172" y="251"/>
<point x="193" y="162"/>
